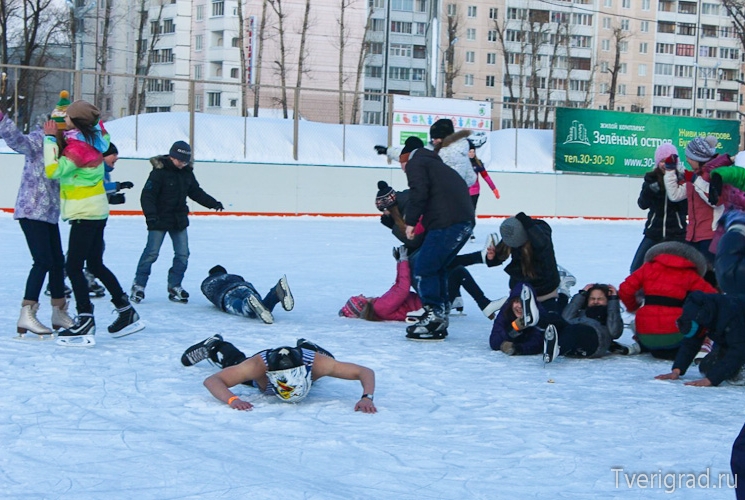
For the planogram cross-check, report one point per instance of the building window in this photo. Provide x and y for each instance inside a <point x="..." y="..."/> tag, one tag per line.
<point x="665" y="48"/>
<point x="154" y="28"/>
<point x="376" y="48"/>
<point x="685" y="49"/>
<point x="662" y="90"/>
<point x="168" y="26"/>
<point x="197" y="71"/>
<point x="471" y="34"/>
<point x="625" y="4"/>
<point x="604" y="88"/>
<point x="471" y="11"/>
<point x="198" y="42"/>
<point x="493" y="13"/>
<point x="682" y="92"/>
<point x="710" y="9"/>
<point x="687" y="29"/>
<point x="642" y="70"/>
<point x="235" y="42"/>
<point x="451" y="10"/>
<point x="643" y="48"/>
<point x="641" y="91"/>
<point x="399" y="73"/>
<point x="400" y="27"/>
<point x="606" y="23"/>
<point x="405" y="5"/>
<point x="470" y="57"/>
<point x="218" y="9"/>
<point x="417" y="74"/>
<point x="684" y="71"/>
<point x="374" y="71"/>
<point x="646" y="4"/>
<point x="663" y="69"/>
<point x="607" y="3"/>
<point x="686" y="8"/>
<point x="420" y="52"/>
<point x="378" y="25"/>
<point x="234" y="73"/>
<point x="621" y="89"/>
<point x="468" y="80"/>
<point x="605" y="45"/>
<point x="490" y="80"/>
<point x="376" y="4"/>
<point x="401" y="50"/>
<point x="625" y="24"/>
<point x="491" y="58"/>
<point x="200" y="12"/>
<point x="644" y="26"/>
<point x="198" y="103"/>
<point x="492" y="36"/>
<point x="213" y="99"/>
<point x="622" y="69"/>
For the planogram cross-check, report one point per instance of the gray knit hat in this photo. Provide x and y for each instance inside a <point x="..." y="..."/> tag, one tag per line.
<point x="698" y="149"/>
<point x="513" y="233"/>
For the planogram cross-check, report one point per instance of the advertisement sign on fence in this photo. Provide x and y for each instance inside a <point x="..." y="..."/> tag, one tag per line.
<point x="614" y="142"/>
<point x="414" y="116"/>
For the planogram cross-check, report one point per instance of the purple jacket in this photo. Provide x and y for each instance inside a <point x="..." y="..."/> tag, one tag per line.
<point x="528" y="341"/>
<point x="38" y="197"/>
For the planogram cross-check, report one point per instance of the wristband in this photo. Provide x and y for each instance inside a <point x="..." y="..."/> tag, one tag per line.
<point x="230" y="401"/>
<point x="368" y="396"/>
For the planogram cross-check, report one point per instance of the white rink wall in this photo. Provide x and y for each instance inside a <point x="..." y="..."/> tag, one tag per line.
<point x="251" y="188"/>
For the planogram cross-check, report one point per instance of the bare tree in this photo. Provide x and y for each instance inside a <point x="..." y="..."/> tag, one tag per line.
<point x="242" y="51"/>
<point x="280" y="64"/>
<point x="618" y="38"/>
<point x="259" y="57"/>
<point x="102" y="56"/>
<point x="364" y="49"/>
<point x="736" y="11"/>
<point x="452" y="69"/>
<point x="144" y="52"/>
<point x="303" y="53"/>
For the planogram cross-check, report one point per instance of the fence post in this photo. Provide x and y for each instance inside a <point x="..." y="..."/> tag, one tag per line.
<point x="78" y="86"/>
<point x="192" y="93"/>
<point x="390" y="124"/>
<point x="296" y="123"/>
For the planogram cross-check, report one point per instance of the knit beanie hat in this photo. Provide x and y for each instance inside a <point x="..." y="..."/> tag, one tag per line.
<point x="60" y="110"/>
<point x="83" y="112"/>
<point x="700" y="150"/>
<point x="664" y="150"/>
<point x="354" y="306"/>
<point x="411" y="144"/>
<point x="112" y="150"/>
<point x="218" y="269"/>
<point x="181" y="151"/>
<point x="513" y="233"/>
<point x="441" y="128"/>
<point x="386" y="197"/>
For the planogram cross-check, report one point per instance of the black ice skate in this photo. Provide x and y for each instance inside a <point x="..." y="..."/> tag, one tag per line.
<point x="550" y="344"/>
<point x="307" y="344"/>
<point x="431" y="326"/>
<point x="282" y="289"/>
<point x="126" y="323"/>
<point x="95" y="289"/>
<point x="201" y="350"/>
<point x="530" y="307"/>
<point x="178" y="294"/>
<point x="260" y="310"/>
<point x="80" y="334"/>
<point x="137" y="294"/>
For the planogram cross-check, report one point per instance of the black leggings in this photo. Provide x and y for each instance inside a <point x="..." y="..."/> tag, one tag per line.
<point x="44" y="243"/>
<point x="86" y="247"/>
<point x="459" y="276"/>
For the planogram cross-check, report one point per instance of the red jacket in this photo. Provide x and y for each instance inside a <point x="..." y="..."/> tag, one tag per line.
<point x="668" y="276"/>
<point x="396" y="302"/>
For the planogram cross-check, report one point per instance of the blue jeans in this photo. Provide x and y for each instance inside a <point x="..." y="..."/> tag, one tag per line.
<point x="180" y="241"/>
<point x="235" y="301"/>
<point x="439" y="248"/>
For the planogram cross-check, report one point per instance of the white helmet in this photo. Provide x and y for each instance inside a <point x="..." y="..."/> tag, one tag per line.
<point x="289" y="376"/>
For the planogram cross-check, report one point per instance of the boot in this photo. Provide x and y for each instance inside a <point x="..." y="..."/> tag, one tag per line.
<point x="127" y="320"/>
<point x="28" y="322"/>
<point x="60" y="319"/>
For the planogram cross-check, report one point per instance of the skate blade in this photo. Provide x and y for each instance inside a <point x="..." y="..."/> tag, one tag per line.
<point x="35" y="337"/>
<point x="174" y="299"/>
<point x="78" y="341"/>
<point x="458" y="313"/>
<point x="129" y="329"/>
<point x="413" y="339"/>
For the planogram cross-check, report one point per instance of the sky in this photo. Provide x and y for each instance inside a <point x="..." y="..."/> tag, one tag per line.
<point x="124" y="419"/>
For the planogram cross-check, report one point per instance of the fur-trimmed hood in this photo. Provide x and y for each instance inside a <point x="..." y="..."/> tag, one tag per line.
<point x="164" y="162"/>
<point x="453" y="138"/>
<point x="678" y="249"/>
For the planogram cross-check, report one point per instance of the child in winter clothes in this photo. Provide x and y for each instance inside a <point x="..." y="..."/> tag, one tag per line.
<point x="37" y="210"/>
<point x="724" y="318"/>
<point x="478" y="167"/>
<point x="113" y="188"/>
<point x="163" y="201"/>
<point x="393" y="304"/>
<point x="508" y="336"/>
<point x="666" y="220"/>
<point x="80" y="171"/>
<point x="232" y="294"/>
<point x="656" y="292"/>
<point x="598" y="306"/>
<point x="452" y="147"/>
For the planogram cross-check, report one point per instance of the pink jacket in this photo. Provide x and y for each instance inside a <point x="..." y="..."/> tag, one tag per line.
<point x="396" y="302"/>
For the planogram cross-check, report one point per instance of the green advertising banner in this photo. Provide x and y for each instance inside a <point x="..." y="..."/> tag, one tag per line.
<point x="614" y="142"/>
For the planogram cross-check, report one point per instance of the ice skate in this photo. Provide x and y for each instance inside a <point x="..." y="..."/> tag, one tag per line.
<point x="550" y="344"/>
<point x="137" y="294"/>
<point x="530" y="307"/>
<point x="493" y="307"/>
<point x="60" y="318"/>
<point x="414" y="316"/>
<point x="29" y="327"/>
<point x="307" y="344"/>
<point x="257" y="306"/>
<point x="491" y="241"/>
<point x="282" y="289"/>
<point x="178" y="294"/>
<point x="431" y="326"/>
<point x="95" y="289"/>
<point x="127" y="322"/>
<point x="80" y="334"/>
<point x="201" y="350"/>
<point x="457" y="305"/>
<point x="566" y="281"/>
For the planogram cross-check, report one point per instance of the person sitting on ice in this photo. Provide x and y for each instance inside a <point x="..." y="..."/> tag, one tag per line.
<point x="232" y="294"/>
<point x="393" y="304"/>
<point x="656" y="291"/>
<point x="722" y="317"/>
<point x="597" y="306"/>
<point x="287" y="372"/>
<point x="524" y="326"/>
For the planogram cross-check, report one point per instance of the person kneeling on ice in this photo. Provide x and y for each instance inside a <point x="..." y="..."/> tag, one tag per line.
<point x="394" y="304"/>
<point x="722" y="317"/>
<point x="232" y="294"/>
<point x="523" y="326"/>
<point x="286" y="372"/>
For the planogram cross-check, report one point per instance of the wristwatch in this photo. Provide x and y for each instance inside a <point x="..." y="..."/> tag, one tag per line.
<point x="368" y="396"/>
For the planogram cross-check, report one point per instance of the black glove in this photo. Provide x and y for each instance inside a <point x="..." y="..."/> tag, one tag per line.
<point x="116" y="199"/>
<point x="387" y="221"/>
<point x="151" y="222"/>
<point x="124" y="185"/>
<point x="381" y="150"/>
<point x="652" y="182"/>
<point x="219" y="207"/>
<point x="715" y="188"/>
<point x="671" y="162"/>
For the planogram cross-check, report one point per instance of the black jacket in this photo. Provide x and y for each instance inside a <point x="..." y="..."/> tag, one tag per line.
<point x="666" y="219"/>
<point x="436" y="193"/>
<point x="218" y="283"/>
<point x="163" y="198"/>
<point x="724" y="316"/>
<point x="730" y="262"/>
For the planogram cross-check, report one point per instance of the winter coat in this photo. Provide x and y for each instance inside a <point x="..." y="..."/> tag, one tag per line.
<point x="657" y="289"/>
<point x="217" y="284"/>
<point x="163" y="197"/>
<point x="437" y="193"/>
<point x="80" y="171"/>
<point x="575" y="312"/>
<point x="402" y="202"/>
<point x="724" y="317"/>
<point x="38" y="196"/>
<point x="666" y="219"/>
<point x="399" y="300"/>
<point x="454" y="153"/>
<point x="478" y="167"/>
<point x="546" y="279"/>
<point x="730" y="262"/>
<point x="527" y="341"/>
